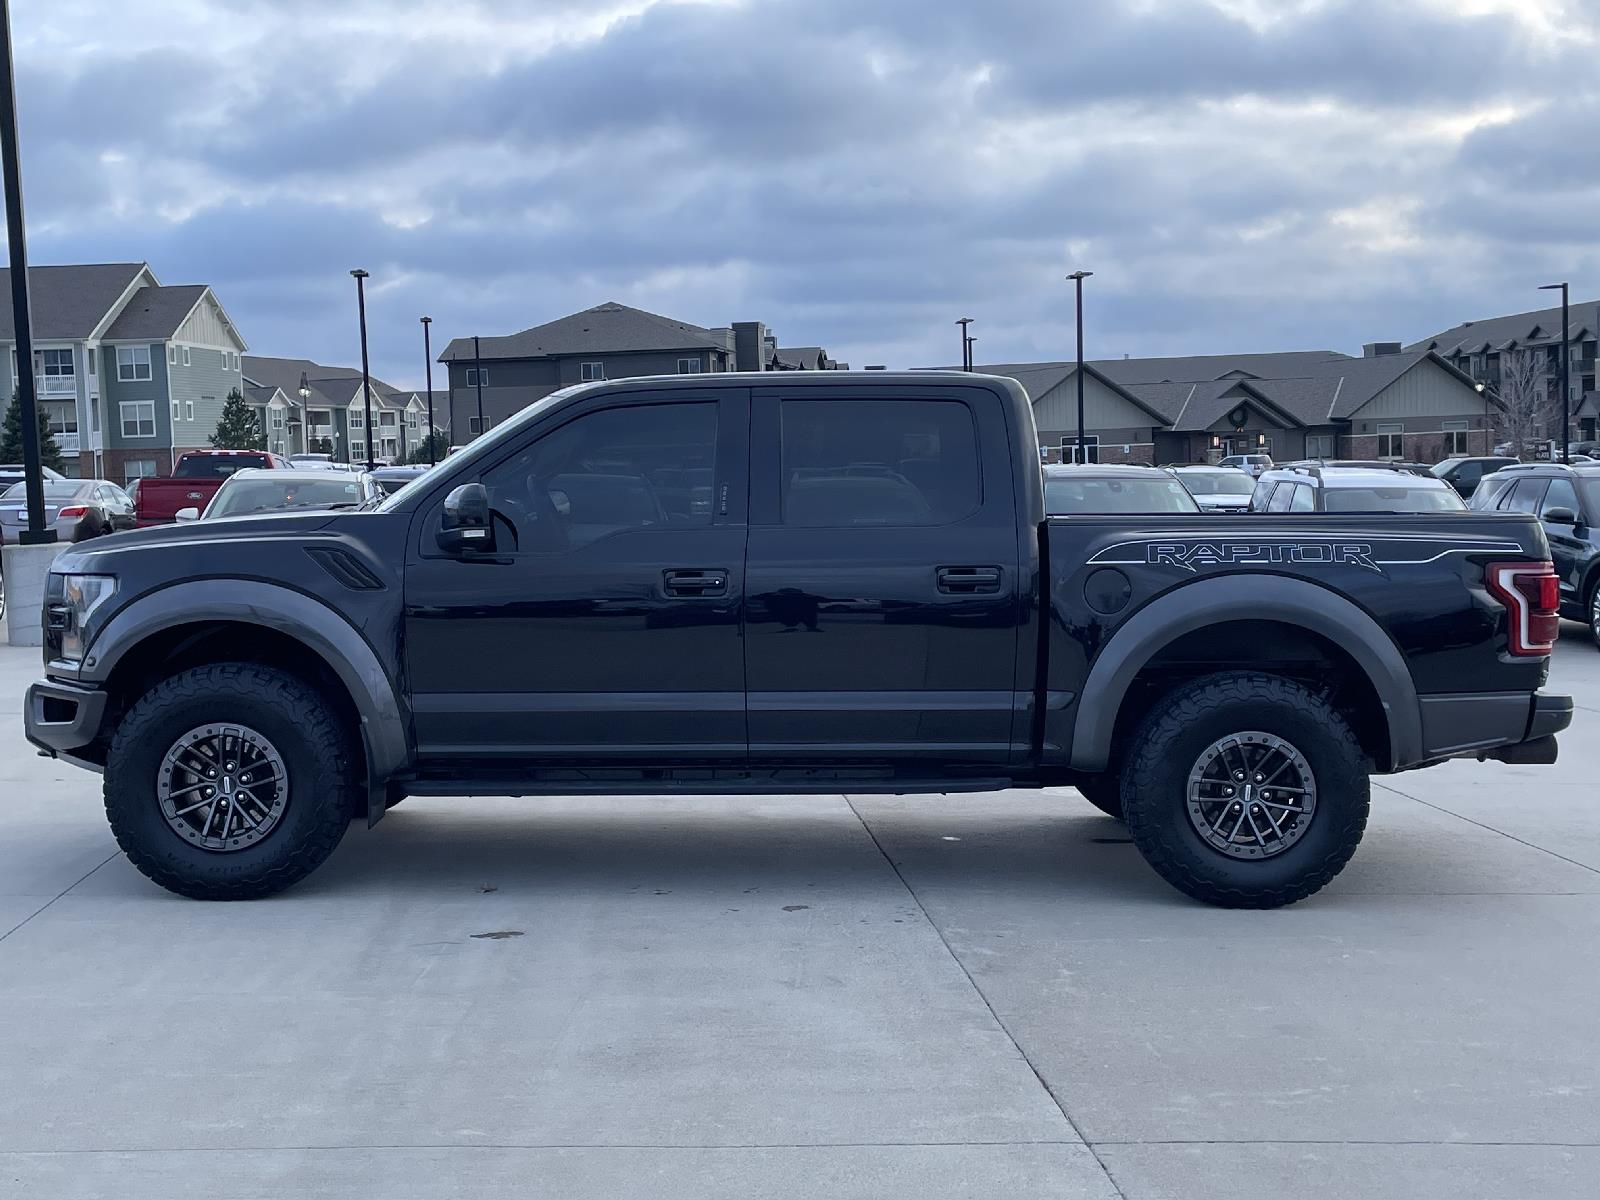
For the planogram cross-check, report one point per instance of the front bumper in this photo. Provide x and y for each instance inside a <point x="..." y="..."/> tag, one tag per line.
<point x="64" y="720"/>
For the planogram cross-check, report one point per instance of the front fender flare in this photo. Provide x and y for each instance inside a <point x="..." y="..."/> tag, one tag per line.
<point x="385" y="722"/>
<point x="1245" y="597"/>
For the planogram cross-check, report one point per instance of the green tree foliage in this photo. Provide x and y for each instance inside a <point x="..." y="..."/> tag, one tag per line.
<point x="239" y="428"/>
<point x="440" y="447"/>
<point x="11" y="437"/>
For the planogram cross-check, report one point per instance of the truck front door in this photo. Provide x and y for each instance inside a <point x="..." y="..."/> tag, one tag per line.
<point x="604" y="626"/>
<point x="882" y="576"/>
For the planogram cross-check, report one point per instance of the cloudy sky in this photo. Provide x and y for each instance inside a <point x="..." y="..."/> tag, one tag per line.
<point x="1239" y="174"/>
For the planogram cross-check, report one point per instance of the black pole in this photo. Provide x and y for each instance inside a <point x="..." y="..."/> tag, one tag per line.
<point x="427" y="354"/>
<point x="1078" y="277"/>
<point x="966" y="344"/>
<point x="477" y="362"/>
<point x="36" y="534"/>
<point x="366" y="375"/>
<point x="1566" y="373"/>
<point x="971" y="341"/>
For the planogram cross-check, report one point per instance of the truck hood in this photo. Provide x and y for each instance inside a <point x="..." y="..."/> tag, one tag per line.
<point x="101" y="555"/>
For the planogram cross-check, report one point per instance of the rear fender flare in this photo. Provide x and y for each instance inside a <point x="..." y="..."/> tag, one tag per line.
<point x="1245" y="597"/>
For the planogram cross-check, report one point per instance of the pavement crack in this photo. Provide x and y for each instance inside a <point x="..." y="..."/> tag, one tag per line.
<point x="978" y="991"/>
<point x="57" y="896"/>
<point x="1389" y="787"/>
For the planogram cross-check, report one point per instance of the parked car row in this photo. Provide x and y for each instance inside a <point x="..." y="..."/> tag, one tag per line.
<point x="1350" y="487"/>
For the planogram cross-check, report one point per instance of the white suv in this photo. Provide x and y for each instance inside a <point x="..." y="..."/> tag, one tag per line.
<point x="1253" y="463"/>
<point x="1332" y="488"/>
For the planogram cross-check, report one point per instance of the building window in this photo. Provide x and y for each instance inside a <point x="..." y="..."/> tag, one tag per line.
<point x="477" y="375"/>
<point x="174" y="410"/>
<point x="358" y="450"/>
<point x="386" y="419"/>
<point x="172" y="356"/>
<point x="138" y="417"/>
<point x="1320" y="445"/>
<point x="1091" y="449"/>
<point x="277" y="418"/>
<point x="186" y="356"/>
<point x="689" y="366"/>
<point x="411" y="420"/>
<point x="590" y="371"/>
<point x="133" y="363"/>
<point x="357" y="420"/>
<point x="54" y="372"/>
<point x="63" y="419"/>
<point x="477" y="424"/>
<point x="1390" y="441"/>
<point x="1455" y="438"/>
<point x="138" y="468"/>
<point x="188" y="407"/>
<point x="91" y="356"/>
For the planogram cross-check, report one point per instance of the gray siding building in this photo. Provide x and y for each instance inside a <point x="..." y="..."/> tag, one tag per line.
<point x="503" y="375"/>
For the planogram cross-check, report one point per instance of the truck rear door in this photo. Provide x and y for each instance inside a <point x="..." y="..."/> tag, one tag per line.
<point x="882" y="576"/>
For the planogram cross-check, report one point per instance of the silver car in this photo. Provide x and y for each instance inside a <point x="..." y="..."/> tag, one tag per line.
<point x="254" y="490"/>
<point x="75" y="508"/>
<point x="1218" y="489"/>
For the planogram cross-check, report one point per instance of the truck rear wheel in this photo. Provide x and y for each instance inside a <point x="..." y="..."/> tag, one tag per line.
<point x="1104" y="792"/>
<point x="229" y="782"/>
<point x="1246" y="791"/>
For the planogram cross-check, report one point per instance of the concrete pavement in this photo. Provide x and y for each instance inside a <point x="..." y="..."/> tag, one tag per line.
<point x="814" y="996"/>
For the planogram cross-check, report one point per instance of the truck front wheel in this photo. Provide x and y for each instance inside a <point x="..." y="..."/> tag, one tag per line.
<point x="1246" y="790"/>
<point x="229" y="781"/>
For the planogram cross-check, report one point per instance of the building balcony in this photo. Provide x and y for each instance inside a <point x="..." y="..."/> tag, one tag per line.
<point x="56" y="385"/>
<point x="68" y="442"/>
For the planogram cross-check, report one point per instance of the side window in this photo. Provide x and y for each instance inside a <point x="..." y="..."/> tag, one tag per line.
<point x="1305" y="498"/>
<point x="1468" y="474"/>
<point x="1260" y="498"/>
<point x="1282" y="497"/>
<point x="1525" y="496"/>
<point x="645" y="466"/>
<point x="1561" y="494"/>
<point x="878" y="462"/>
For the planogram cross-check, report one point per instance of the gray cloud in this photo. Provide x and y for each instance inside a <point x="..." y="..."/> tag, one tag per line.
<point x="852" y="173"/>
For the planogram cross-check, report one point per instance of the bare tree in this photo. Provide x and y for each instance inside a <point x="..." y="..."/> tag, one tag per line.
<point x="1523" y="401"/>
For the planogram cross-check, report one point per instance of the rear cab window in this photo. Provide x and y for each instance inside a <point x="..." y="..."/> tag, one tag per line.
<point x="218" y="466"/>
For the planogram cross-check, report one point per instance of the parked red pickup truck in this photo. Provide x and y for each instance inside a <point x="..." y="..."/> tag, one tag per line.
<point x="194" y="481"/>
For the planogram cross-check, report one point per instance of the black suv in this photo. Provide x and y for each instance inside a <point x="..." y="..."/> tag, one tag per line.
<point x="1567" y="501"/>
<point x="1464" y="474"/>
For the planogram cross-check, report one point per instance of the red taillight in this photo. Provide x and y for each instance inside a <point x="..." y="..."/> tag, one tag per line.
<point x="73" y="510"/>
<point x="1531" y="593"/>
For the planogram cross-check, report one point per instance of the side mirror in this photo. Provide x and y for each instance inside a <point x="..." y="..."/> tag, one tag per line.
<point x="467" y="525"/>
<point x="1561" y="516"/>
<point x="187" y="514"/>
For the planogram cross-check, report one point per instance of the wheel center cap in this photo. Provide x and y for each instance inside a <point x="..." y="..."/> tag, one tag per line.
<point x="1249" y="792"/>
<point x="227" y="784"/>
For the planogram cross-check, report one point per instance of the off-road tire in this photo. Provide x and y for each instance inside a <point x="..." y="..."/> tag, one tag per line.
<point x="317" y="752"/>
<point x="1167" y="746"/>
<point x="1104" y="792"/>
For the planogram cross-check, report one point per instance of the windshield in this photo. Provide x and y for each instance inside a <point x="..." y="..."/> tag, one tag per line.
<point x="464" y="464"/>
<point x="1440" y="468"/>
<point x="53" y="490"/>
<point x="1218" y="483"/>
<point x="1158" y="494"/>
<point x="263" y="495"/>
<point x="217" y="466"/>
<point x="1392" y="499"/>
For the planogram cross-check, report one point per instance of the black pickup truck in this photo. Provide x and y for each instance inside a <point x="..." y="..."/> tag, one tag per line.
<point x="826" y="583"/>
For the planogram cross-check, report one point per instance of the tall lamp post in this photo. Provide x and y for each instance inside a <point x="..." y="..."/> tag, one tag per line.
<point x="477" y="371"/>
<point x="37" y="533"/>
<point x="1566" y="368"/>
<point x="366" y="376"/>
<point x="1077" y="278"/>
<point x="427" y="355"/>
<point x="305" y="411"/>
<point x="966" y="344"/>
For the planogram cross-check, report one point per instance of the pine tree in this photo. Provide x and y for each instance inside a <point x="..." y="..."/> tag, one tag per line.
<point x="11" y="437"/>
<point x="238" y="428"/>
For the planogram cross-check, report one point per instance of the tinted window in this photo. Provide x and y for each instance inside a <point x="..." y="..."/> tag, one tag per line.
<point x="1262" y="496"/>
<point x="1392" y="499"/>
<point x="1525" y="496"/>
<point x="1218" y="483"/>
<point x="1561" y="494"/>
<point x="1158" y="494"/>
<point x="645" y="466"/>
<point x="218" y="467"/>
<point x="1305" y="499"/>
<point x="1489" y="490"/>
<point x="878" y="462"/>
<point x="1281" y="498"/>
<point x="266" y="494"/>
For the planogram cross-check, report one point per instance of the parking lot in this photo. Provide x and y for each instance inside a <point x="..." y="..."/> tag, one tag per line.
<point x="984" y="995"/>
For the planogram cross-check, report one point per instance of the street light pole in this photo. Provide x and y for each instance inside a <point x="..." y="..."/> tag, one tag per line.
<point x="366" y="375"/>
<point x="477" y="365"/>
<point x="966" y="344"/>
<point x="37" y="533"/>
<point x="427" y="354"/>
<point x="1077" y="278"/>
<point x="1566" y="369"/>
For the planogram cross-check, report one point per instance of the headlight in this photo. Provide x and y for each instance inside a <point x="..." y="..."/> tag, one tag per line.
<point x="80" y="596"/>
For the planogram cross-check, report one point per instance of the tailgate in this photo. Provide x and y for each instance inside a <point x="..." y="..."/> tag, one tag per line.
<point x="160" y="499"/>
